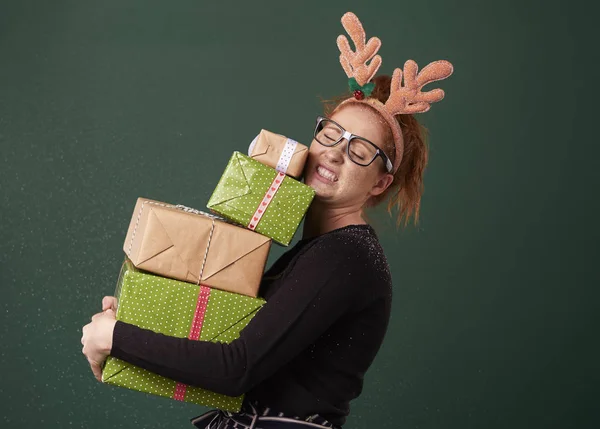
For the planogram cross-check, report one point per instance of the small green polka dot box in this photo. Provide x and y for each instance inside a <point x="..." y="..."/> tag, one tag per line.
<point x="257" y="197"/>
<point x="178" y="309"/>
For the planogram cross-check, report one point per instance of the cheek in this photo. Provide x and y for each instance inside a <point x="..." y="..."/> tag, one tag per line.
<point x="315" y="148"/>
<point x="315" y="151"/>
<point x="358" y="179"/>
<point x="355" y="175"/>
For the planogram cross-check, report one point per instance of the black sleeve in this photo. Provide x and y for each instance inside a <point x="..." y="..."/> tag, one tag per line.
<point x="318" y="289"/>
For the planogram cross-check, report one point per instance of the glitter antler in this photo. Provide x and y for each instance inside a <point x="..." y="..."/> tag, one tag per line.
<point x="355" y="63"/>
<point x="405" y="99"/>
<point x="409" y="98"/>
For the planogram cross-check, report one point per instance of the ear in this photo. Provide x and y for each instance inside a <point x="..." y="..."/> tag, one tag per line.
<point x="382" y="184"/>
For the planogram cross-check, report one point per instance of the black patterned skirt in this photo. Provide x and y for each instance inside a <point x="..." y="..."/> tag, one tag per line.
<point x="253" y="416"/>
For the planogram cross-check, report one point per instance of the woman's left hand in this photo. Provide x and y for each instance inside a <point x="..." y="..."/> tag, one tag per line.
<point x="97" y="340"/>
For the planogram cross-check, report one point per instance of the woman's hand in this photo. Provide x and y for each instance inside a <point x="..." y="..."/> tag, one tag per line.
<point x="109" y="302"/>
<point x="98" y="335"/>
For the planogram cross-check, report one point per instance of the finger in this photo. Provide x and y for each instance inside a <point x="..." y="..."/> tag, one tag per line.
<point x="83" y="340"/>
<point x="109" y="302"/>
<point x="110" y="313"/>
<point x="96" y="370"/>
<point x="106" y="303"/>
<point x="95" y="316"/>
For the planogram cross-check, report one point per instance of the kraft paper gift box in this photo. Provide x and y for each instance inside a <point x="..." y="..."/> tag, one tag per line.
<point x="260" y="198"/>
<point x="280" y="152"/>
<point x="177" y="309"/>
<point x="189" y="245"/>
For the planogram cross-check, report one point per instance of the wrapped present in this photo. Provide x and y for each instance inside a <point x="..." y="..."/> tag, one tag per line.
<point x="189" y="245"/>
<point x="260" y="198"/>
<point x="277" y="151"/>
<point x="177" y="309"/>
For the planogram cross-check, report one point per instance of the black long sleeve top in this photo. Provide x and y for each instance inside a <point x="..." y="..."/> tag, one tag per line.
<point x="306" y="351"/>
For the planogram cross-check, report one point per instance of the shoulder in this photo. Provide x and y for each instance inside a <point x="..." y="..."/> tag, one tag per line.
<point x="353" y="250"/>
<point x="355" y="241"/>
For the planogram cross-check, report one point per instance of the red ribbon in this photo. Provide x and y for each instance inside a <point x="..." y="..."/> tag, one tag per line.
<point x="262" y="207"/>
<point x="195" y="330"/>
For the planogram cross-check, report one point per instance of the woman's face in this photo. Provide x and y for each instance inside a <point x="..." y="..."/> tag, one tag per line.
<point x="337" y="180"/>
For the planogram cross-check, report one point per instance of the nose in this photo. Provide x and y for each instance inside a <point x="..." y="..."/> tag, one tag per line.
<point x="335" y="154"/>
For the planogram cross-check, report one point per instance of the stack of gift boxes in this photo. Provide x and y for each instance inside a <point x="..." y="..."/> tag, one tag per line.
<point x="195" y="275"/>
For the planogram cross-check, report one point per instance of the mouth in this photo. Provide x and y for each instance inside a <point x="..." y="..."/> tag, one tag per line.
<point x="327" y="175"/>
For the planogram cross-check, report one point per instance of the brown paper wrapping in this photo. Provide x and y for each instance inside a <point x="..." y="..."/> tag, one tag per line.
<point x="267" y="150"/>
<point x="171" y="242"/>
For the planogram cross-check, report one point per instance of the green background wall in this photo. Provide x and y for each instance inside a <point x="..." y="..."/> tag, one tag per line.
<point x="495" y="290"/>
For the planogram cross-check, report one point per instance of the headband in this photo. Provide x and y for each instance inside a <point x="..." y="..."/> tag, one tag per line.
<point x="403" y="99"/>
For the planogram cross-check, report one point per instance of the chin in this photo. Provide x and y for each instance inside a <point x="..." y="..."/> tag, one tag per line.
<point x="322" y="196"/>
<point x="321" y="192"/>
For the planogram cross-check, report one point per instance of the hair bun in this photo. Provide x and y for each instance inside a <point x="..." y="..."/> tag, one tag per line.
<point x="383" y="84"/>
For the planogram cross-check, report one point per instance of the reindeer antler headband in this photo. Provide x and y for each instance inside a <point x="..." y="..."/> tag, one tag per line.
<point x="406" y="98"/>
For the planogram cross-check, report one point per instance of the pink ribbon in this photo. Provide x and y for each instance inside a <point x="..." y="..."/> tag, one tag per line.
<point x="195" y="330"/>
<point x="262" y="207"/>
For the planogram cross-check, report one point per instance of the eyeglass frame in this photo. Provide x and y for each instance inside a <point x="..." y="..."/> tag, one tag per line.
<point x="349" y="136"/>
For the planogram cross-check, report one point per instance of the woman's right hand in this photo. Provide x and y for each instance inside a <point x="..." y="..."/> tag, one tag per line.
<point x="109" y="302"/>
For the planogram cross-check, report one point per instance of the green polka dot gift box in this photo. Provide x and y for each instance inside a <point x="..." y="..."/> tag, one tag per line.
<point x="178" y="309"/>
<point x="260" y="198"/>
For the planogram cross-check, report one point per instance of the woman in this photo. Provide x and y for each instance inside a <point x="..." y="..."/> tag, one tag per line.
<point x="302" y="358"/>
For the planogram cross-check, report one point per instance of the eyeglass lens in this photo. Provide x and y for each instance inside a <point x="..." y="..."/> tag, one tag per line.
<point x="361" y="152"/>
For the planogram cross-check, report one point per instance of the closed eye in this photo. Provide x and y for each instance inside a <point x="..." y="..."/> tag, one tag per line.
<point x="359" y="156"/>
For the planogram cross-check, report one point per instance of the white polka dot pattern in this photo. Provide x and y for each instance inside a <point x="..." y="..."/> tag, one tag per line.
<point x="242" y="188"/>
<point x="167" y="306"/>
<point x="286" y="155"/>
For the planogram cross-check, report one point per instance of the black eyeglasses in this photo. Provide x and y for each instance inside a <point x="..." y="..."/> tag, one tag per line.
<point x="360" y="150"/>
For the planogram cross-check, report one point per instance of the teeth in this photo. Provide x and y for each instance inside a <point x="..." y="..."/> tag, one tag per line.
<point x="323" y="172"/>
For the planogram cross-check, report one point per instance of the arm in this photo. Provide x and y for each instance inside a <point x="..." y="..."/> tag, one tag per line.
<point x="314" y="294"/>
